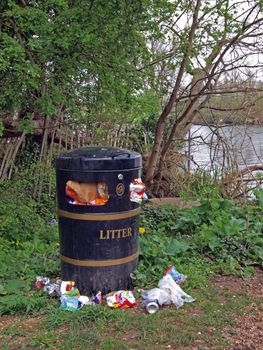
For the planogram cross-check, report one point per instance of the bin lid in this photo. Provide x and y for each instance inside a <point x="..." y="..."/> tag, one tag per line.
<point x="98" y="158"/>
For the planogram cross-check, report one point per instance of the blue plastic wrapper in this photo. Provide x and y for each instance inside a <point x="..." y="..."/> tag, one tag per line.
<point x="177" y="276"/>
<point x="70" y="303"/>
<point x="97" y="299"/>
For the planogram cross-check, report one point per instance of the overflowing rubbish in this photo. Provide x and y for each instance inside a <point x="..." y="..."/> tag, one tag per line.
<point x="87" y="193"/>
<point x="84" y="300"/>
<point x="70" y="303"/>
<point x="178" y="277"/>
<point x="41" y="282"/>
<point x="151" y="306"/>
<point x="71" y="300"/>
<point x="103" y="194"/>
<point x="68" y="288"/>
<point x="178" y="296"/>
<point x="137" y="191"/>
<point x="97" y="299"/>
<point x="68" y="293"/>
<point x="53" y="289"/>
<point x="162" y="296"/>
<point x="121" y="299"/>
<point x="168" y="292"/>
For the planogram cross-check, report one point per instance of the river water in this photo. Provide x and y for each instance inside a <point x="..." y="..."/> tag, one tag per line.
<point x="225" y="147"/>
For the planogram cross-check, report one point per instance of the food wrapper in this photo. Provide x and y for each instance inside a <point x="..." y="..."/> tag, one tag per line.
<point x="137" y="191"/>
<point x="41" y="282"/>
<point x="177" y="276"/>
<point x="84" y="300"/>
<point x="73" y="293"/>
<point x="52" y="289"/>
<point x="121" y="299"/>
<point x="87" y="193"/>
<point x="68" y="287"/>
<point x="103" y="191"/>
<point x="97" y="299"/>
<point x="70" y="303"/>
<point x="82" y="193"/>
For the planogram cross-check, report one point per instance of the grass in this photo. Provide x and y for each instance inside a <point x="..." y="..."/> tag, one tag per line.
<point x="100" y="328"/>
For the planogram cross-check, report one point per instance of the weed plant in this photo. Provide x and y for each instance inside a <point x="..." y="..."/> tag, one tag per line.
<point x="216" y="236"/>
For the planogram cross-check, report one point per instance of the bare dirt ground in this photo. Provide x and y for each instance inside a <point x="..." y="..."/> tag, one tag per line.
<point x="248" y="332"/>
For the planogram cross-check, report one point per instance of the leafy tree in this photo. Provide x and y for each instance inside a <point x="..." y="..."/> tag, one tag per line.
<point x="76" y="58"/>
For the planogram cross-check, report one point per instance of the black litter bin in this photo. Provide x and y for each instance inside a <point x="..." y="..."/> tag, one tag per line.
<point x="98" y="243"/>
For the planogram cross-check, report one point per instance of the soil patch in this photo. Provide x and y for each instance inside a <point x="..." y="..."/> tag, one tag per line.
<point x="247" y="333"/>
<point x="252" y="285"/>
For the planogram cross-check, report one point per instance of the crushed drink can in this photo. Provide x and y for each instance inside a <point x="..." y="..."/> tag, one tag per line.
<point x="151" y="306"/>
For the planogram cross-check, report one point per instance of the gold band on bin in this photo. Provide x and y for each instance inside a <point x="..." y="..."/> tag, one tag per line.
<point x="99" y="263"/>
<point x="99" y="217"/>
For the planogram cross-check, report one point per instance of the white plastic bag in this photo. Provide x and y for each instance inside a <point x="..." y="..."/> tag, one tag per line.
<point x="177" y="295"/>
<point x="168" y="293"/>
<point x="162" y="296"/>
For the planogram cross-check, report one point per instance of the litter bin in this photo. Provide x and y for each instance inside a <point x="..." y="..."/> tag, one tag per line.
<point x="98" y="239"/>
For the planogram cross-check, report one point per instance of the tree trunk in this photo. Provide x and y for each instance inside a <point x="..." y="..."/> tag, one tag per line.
<point x="154" y="157"/>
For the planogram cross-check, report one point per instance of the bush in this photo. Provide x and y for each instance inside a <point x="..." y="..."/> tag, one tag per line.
<point x="19" y="220"/>
<point x="21" y="263"/>
<point x="216" y="236"/>
<point x="34" y="187"/>
<point x="28" y="243"/>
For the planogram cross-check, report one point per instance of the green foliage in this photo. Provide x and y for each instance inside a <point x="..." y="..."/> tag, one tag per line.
<point x="19" y="194"/>
<point x="18" y="219"/>
<point x="21" y="263"/>
<point x="164" y="219"/>
<point x="215" y="236"/>
<point x="57" y="318"/>
<point x="259" y="198"/>
<point x="28" y="243"/>
<point x="81" y="55"/>
<point x="26" y="125"/>
<point x="22" y="302"/>
<point x="199" y="184"/>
